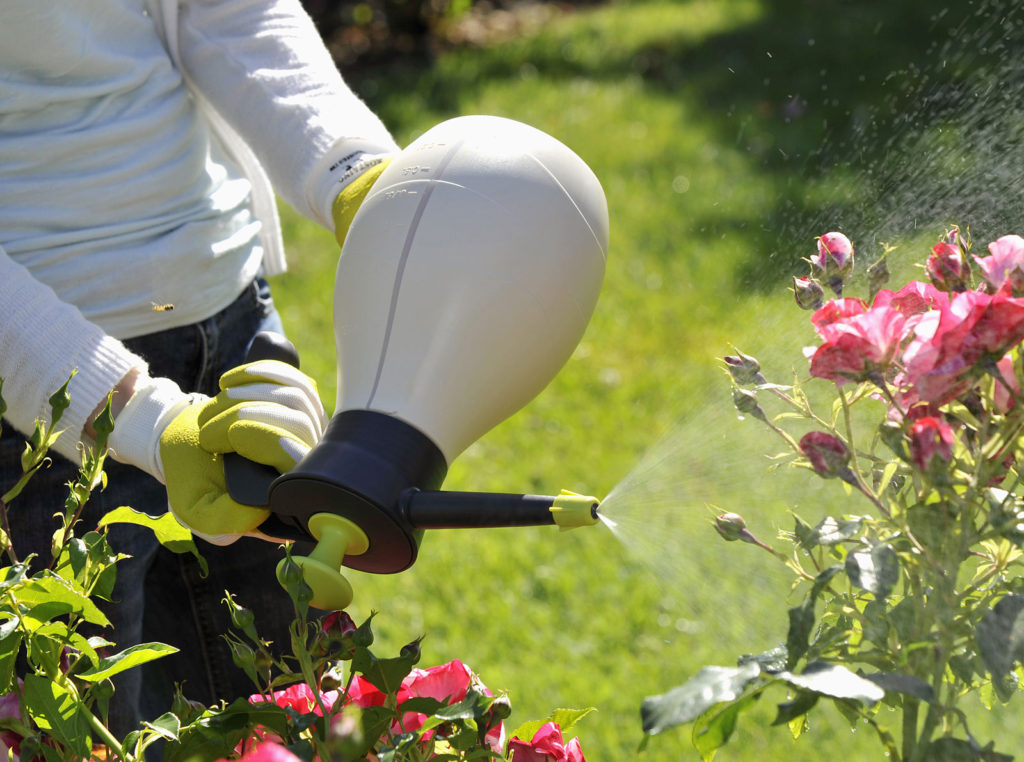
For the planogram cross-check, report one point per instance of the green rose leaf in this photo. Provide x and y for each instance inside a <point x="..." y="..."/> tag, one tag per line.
<point x="835" y="681"/>
<point x="831" y="531"/>
<point x="126" y="659"/>
<point x="48" y="596"/>
<point x="771" y="661"/>
<point x="1000" y="635"/>
<point x="801" y="624"/>
<point x="384" y="674"/>
<point x="958" y="750"/>
<point x="56" y="712"/>
<point x="710" y="686"/>
<point x="796" y="707"/>
<point x="566" y="719"/>
<point x="876" y="569"/>
<point x="801" y="618"/>
<point x="10" y="643"/>
<point x="166" y="725"/>
<point x="713" y="731"/>
<point x="168" y="531"/>
<point x="893" y="682"/>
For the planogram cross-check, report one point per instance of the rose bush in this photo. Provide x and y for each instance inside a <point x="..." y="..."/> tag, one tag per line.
<point x="913" y="596"/>
<point x="331" y="699"/>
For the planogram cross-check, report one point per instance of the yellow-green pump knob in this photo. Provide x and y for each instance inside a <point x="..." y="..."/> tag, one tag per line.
<point x="337" y="537"/>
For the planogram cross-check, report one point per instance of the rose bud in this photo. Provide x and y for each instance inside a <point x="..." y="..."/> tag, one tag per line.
<point x="338" y="629"/>
<point x="411" y="651"/>
<point x="744" y="369"/>
<point x="947" y="268"/>
<point x="878" y="275"/>
<point x="892" y="434"/>
<point x="931" y="444"/>
<point x="337" y="624"/>
<point x="730" y="526"/>
<point x="828" y="455"/>
<point x="746" y="403"/>
<point x="809" y="293"/>
<point x="500" y="709"/>
<point x="954" y="237"/>
<point x="834" y="260"/>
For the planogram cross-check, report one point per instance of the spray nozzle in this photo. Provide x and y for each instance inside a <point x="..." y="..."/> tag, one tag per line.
<point x="571" y="510"/>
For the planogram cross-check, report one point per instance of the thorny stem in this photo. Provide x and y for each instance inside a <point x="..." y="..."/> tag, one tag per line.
<point x="805" y="409"/>
<point x="866" y="491"/>
<point x="884" y="387"/>
<point x="990" y="367"/>
<point x="849" y="429"/>
<point x="9" y="550"/>
<point x="931" y="721"/>
<point x="782" y="433"/>
<point x="104" y="733"/>
<point x="910" y="707"/>
<point x="306" y="667"/>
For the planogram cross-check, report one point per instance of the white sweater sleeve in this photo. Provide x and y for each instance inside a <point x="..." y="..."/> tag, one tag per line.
<point x="42" y="340"/>
<point x="262" y="65"/>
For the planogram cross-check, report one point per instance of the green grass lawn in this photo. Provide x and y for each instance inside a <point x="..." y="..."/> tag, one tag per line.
<point x="727" y="134"/>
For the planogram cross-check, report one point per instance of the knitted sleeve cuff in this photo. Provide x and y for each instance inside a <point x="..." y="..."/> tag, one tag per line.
<point x="139" y="425"/>
<point x="337" y="169"/>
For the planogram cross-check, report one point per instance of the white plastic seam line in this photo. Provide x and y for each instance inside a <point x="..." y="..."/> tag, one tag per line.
<point x="406" y="249"/>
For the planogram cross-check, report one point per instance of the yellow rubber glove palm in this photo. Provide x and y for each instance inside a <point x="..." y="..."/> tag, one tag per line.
<point x="268" y="412"/>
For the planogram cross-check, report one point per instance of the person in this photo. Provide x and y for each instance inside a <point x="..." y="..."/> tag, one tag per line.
<point x="141" y="145"/>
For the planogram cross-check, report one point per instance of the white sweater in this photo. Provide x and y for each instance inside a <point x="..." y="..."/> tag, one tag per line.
<point x="121" y="188"/>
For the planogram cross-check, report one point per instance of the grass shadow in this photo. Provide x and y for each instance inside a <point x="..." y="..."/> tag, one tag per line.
<point x="871" y="117"/>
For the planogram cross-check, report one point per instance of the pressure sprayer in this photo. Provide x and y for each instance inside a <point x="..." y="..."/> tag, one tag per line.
<point x="466" y="281"/>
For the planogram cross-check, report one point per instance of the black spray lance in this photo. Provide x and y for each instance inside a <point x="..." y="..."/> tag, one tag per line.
<point x="466" y="281"/>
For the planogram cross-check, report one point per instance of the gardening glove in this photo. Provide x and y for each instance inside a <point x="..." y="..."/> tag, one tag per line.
<point x="354" y="192"/>
<point x="267" y="411"/>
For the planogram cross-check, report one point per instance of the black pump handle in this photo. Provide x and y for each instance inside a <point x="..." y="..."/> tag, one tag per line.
<point x="249" y="482"/>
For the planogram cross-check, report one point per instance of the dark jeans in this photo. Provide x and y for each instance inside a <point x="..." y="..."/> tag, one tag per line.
<point x="161" y="596"/>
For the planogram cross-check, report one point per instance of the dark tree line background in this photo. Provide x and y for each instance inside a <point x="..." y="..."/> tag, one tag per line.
<point x="370" y="32"/>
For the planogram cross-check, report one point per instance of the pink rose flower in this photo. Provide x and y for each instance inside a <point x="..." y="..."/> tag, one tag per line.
<point x="949" y="342"/>
<point x="448" y="683"/>
<point x="547" y="745"/>
<point x="10" y="706"/>
<point x="931" y="443"/>
<point x="914" y="298"/>
<point x="267" y="751"/>
<point x="835" y="311"/>
<point x="1005" y="263"/>
<point x="858" y="343"/>
<point x="1005" y="398"/>
<point x="934" y="371"/>
<point x="299" y="697"/>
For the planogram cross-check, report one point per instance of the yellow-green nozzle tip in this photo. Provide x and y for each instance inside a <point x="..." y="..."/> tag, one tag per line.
<point x="571" y="510"/>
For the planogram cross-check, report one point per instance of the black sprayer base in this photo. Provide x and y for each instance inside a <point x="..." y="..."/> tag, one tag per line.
<point x="359" y="470"/>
